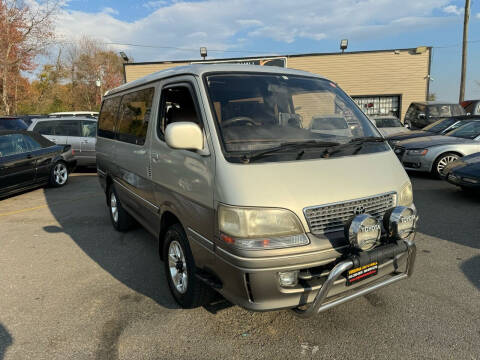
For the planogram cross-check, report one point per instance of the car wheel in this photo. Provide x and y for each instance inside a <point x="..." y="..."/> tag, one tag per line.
<point x="187" y="290"/>
<point x="59" y="174"/>
<point x="409" y="124"/>
<point x="441" y="162"/>
<point x="121" y="220"/>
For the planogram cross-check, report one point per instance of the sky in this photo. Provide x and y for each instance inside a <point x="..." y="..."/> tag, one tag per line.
<point x="175" y="30"/>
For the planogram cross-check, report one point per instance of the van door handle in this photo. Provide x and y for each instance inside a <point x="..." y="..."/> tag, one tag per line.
<point x="155" y="157"/>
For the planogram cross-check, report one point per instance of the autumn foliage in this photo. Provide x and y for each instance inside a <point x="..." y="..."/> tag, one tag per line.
<point x="75" y="79"/>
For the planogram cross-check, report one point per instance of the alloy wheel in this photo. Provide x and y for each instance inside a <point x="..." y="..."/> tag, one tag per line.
<point x="114" y="207"/>
<point x="178" y="267"/>
<point x="444" y="161"/>
<point x="60" y="173"/>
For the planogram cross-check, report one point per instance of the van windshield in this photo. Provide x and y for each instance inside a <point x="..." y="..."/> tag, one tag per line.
<point x="262" y="111"/>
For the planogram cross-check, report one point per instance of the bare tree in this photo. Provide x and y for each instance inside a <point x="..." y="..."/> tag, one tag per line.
<point x="26" y="29"/>
<point x="92" y="68"/>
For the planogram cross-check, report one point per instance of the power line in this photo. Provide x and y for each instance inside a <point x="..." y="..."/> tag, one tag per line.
<point x="228" y="51"/>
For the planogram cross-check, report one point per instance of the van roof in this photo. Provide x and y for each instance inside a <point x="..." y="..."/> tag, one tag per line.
<point x="201" y="69"/>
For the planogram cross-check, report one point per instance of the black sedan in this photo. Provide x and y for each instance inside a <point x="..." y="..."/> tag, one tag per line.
<point x="12" y="123"/>
<point x="28" y="160"/>
<point x="465" y="172"/>
<point x="439" y="127"/>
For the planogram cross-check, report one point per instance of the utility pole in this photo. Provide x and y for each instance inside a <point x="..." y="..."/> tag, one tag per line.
<point x="464" y="50"/>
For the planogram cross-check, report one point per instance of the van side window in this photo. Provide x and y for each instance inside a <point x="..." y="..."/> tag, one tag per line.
<point x="177" y="105"/>
<point x="108" y="117"/>
<point x="134" y="116"/>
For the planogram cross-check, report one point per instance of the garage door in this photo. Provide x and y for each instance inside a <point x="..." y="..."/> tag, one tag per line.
<point x="379" y="105"/>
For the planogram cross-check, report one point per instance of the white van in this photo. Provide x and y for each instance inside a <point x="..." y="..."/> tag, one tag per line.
<point x="245" y="197"/>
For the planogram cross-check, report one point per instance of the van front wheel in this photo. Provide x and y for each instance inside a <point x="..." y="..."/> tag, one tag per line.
<point x="188" y="291"/>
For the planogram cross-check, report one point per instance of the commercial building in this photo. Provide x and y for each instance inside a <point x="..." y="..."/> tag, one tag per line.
<point x="382" y="82"/>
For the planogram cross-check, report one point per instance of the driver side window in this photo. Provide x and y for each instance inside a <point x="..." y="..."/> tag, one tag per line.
<point x="177" y="104"/>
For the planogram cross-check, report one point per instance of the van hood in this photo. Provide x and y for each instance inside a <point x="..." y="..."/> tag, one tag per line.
<point x="295" y="185"/>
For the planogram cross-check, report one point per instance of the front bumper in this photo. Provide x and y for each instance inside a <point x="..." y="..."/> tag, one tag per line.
<point x="457" y="179"/>
<point x="416" y="163"/>
<point x="321" y="304"/>
<point x="255" y="286"/>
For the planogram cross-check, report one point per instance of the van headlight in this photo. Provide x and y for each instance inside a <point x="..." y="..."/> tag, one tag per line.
<point x="405" y="198"/>
<point x="260" y="228"/>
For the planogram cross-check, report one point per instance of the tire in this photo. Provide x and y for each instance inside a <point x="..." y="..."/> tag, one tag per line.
<point x="442" y="161"/>
<point x="121" y="220"/>
<point x="409" y="124"/>
<point x="59" y="174"/>
<point x="188" y="291"/>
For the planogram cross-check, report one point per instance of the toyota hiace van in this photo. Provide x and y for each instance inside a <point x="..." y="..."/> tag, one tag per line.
<point x="245" y="197"/>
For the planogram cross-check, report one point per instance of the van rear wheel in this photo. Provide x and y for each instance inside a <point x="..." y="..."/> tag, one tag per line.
<point x="121" y="220"/>
<point x="188" y="291"/>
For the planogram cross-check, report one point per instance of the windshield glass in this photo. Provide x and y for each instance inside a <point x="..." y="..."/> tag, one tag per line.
<point x="261" y="111"/>
<point x="445" y="110"/>
<point x="440" y="125"/>
<point x="467" y="131"/>
<point x="387" y="122"/>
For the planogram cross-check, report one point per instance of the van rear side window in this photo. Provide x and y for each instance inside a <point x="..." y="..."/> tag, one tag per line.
<point x="134" y="116"/>
<point x="108" y="116"/>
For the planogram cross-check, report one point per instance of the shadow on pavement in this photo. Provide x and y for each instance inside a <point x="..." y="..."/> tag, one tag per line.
<point x="131" y="257"/>
<point x="446" y="211"/>
<point x="471" y="269"/>
<point x="5" y="341"/>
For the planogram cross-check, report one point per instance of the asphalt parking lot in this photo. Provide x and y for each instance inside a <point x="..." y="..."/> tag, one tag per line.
<point x="73" y="288"/>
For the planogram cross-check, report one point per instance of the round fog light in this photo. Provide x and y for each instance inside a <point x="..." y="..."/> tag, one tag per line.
<point x="400" y="222"/>
<point x="363" y="232"/>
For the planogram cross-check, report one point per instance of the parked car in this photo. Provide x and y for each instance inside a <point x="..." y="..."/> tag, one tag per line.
<point x="388" y="125"/>
<point x="439" y="127"/>
<point x="434" y="153"/>
<point x="28" y="160"/>
<point x="79" y="132"/>
<point x="465" y="172"/>
<point x="332" y="124"/>
<point x="421" y="114"/>
<point x="471" y="106"/>
<point x="12" y="123"/>
<point x="74" y="114"/>
<point x="27" y="119"/>
<point x="219" y="163"/>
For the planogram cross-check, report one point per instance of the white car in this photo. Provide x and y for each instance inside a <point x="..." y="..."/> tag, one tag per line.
<point x="389" y="125"/>
<point x="79" y="132"/>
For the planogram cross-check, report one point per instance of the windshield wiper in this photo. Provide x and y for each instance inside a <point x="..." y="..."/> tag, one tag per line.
<point x="286" y="146"/>
<point x="356" y="142"/>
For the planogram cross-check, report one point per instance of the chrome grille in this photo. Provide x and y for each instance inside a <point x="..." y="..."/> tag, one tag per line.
<point x="332" y="217"/>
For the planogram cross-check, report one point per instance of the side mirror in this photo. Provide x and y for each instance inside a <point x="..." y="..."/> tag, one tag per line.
<point x="421" y="116"/>
<point x="184" y="135"/>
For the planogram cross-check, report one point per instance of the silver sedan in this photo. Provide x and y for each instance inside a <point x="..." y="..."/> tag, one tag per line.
<point x="433" y="153"/>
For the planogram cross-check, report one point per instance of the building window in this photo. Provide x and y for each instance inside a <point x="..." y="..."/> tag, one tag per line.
<point x="379" y="105"/>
